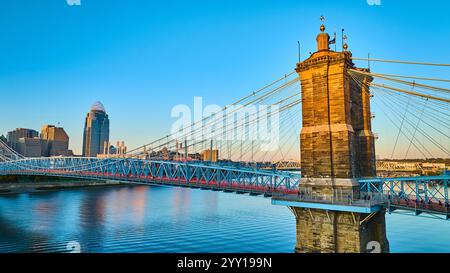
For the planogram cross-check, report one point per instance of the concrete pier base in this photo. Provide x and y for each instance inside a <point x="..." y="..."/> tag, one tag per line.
<point x="324" y="231"/>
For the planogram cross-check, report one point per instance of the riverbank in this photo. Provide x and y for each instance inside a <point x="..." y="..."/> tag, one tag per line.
<point x="29" y="184"/>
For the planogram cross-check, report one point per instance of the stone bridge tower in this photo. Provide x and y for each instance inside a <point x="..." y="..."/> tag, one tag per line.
<point x="337" y="146"/>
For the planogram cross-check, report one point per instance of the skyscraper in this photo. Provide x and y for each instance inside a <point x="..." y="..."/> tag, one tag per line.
<point x="96" y="130"/>
<point x="15" y="135"/>
<point x="55" y="141"/>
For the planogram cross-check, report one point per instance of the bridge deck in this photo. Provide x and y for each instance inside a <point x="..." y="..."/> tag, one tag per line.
<point x="359" y="206"/>
<point x="418" y="206"/>
<point x="252" y="189"/>
<point x="364" y="205"/>
<point x="418" y="194"/>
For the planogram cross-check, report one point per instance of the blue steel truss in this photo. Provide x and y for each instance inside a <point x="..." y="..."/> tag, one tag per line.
<point x="192" y="174"/>
<point x="419" y="194"/>
<point x="7" y="153"/>
<point x="429" y="194"/>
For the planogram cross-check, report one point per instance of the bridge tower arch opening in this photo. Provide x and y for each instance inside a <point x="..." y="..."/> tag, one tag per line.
<point x="337" y="147"/>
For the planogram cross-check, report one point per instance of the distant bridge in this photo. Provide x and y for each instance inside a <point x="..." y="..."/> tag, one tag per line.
<point x="285" y="165"/>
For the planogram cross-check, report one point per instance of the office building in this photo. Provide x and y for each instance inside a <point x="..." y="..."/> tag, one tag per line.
<point x="29" y="147"/>
<point x="210" y="155"/>
<point x="55" y="141"/>
<point x="96" y="131"/>
<point x="14" y="136"/>
<point x="111" y="151"/>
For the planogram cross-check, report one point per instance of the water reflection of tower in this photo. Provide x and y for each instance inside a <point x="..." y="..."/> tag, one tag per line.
<point x="181" y="202"/>
<point x="92" y="217"/>
<point x="127" y="205"/>
<point x="93" y="208"/>
<point x="211" y="200"/>
<point x="40" y="210"/>
<point x="139" y="203"/>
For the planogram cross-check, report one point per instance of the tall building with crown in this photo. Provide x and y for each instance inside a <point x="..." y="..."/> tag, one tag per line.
<point x="96" y="130"/>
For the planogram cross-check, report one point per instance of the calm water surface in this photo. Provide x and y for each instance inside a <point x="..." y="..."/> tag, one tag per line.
<point x="165" y="219"/>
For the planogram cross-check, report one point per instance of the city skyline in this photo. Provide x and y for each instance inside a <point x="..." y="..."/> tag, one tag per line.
<point x="290" y="126"/>
<point x="131" y="67"/>
<point x="51" y="141"/>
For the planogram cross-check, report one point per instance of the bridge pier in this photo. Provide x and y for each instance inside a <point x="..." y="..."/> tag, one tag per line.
<point x="331" y="217"/>
<point x="327" y="231"/>
<point x="337" y="147"/>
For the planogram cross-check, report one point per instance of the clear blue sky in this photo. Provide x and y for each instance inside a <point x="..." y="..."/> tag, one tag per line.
<point x="142" y="57"/>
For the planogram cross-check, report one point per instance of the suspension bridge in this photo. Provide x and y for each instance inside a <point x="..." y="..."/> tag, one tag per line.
<point x="248" y="146"/>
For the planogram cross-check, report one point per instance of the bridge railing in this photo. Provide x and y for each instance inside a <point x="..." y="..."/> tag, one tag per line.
<point x="422" y="187"/>
<point x="422" y="193"/>
<point x="158" y="171"/>
<point x="363" y="200"/>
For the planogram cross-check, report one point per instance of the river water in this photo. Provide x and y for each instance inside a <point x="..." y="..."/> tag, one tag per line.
<point x="170" y="219"/>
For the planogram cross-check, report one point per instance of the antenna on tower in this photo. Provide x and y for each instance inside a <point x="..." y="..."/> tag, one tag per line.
<point x="345" y="46"/>
<point x="335" y="41"/>
<point x="322" y="27"/>
<point x="322" y="18"/>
